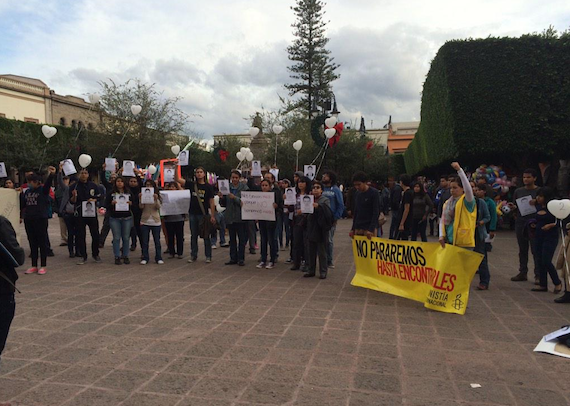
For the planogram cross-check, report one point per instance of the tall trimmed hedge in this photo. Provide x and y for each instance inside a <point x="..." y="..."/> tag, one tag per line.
<point x="503" y="100"/>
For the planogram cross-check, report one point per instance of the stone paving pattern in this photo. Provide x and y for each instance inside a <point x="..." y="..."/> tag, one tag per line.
<point x="208" y="334"/>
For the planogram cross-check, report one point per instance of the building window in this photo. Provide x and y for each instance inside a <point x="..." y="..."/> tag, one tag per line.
<point x="80" y="125"/>
<point x="62" y="121"/>
<point x="90" y="127"/>
<point x="31" y="120"/>
<point x="2" y="115"/>
<point x="73" y="124"/>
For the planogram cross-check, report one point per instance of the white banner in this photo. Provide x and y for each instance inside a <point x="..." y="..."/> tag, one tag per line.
<point x="10" y="208"/>
<point x="174" y="202"/>
<point x="258" y="206"/>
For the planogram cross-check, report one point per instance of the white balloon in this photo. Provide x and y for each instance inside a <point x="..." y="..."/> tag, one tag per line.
<point x="247" y="150"/>
<point x="175" y="149"/>
<point x="277" y="129"/>
<point x="136" y="109"/>
<point x="249" y="156"/>
<point x="53" y="132"/>
<point x="240" y="156"/>
<point x="559" y="208"/>
<point x="253" y="131"/>
<point x="152" y="169"/>
<point x="330" y="122"/>
<point x="330" y="132"/>
<point x="84" y="160"/>
<point x="94" y="98"/>
<point x="243" y="150"/>
<point x="297" y="145"/>
<point x="46" y="130"/>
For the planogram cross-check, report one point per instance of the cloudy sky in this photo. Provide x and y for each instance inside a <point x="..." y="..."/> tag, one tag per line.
<point x="228" y="59"/>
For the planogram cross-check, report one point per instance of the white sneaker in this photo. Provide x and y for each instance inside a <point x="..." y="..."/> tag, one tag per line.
<point x="270" y="265"/>
<point x="208" y="260"/>
<point x="191" y="259"/>
<point x="261" y="265"/>
<point x="160" y="262"/>
<point x="214" y="246"/>
<point x="144" y="262"/>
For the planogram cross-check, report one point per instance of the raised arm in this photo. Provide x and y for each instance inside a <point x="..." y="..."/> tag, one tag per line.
<point x="466" y="185"/>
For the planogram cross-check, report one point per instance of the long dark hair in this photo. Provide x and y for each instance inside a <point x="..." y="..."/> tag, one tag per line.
<point x="125" y="185"/>
<point x="307" y="181"/>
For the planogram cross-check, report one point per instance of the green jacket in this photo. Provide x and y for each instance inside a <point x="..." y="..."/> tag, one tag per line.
<point x="233" y="206"/>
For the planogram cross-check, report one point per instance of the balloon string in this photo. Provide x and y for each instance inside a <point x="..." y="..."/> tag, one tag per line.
<point x="74" y="142"/>
<point x="323" y="148"/>
<point x="122" y="139"/>
<point x="275" y="161"/>
<point x="322" y="159"/>
<point x="43" y="156"/>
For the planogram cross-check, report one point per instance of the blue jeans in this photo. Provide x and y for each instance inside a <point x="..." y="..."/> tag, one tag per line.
<point x="121" y="229"/>
<point x="481" y="248"/>
<point x="222" y="222"/>
<point x="267" y="231"/>
<point x="330" y="245"/>
<point x="238" y="237"/>
<point x="194" y="220"/>
<point x="145" y="231"/>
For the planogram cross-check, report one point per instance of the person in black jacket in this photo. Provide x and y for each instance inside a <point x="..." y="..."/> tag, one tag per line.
<point x="318" y="226"/>
<point x="267" y="228"/>
<point x="35" y="206"/>
<point x="11" y="256"/>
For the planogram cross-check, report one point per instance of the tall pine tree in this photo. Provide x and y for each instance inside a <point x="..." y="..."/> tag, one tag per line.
<point x="313" y="69"/>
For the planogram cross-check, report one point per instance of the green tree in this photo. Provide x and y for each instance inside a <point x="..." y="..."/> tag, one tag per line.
<point x="313" y="68"/>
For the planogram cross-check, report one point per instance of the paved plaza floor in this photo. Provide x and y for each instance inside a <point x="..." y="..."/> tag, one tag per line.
<point x="208" y="334"/>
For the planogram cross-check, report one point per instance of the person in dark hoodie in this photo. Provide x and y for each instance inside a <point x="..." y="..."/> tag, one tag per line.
<point x="66" y="209"/>
<point x="236" y="226"/>
<point x="85" y="190"/>
<point x="35" y="204"/>
<point x="267" y="228"/>
<point x="318" y="227"/>
<point x="11" y="256"/>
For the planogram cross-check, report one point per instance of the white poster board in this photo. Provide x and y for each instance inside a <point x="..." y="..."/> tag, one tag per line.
<point x="290" y="196"/>
<point x="256" y="168"/>
<point x="110" y="164"/>
<point x="524" y="206"/>
<point x="128" y="168"/>
<point x="310" y="171"/>
<point x="224" y="186"/>
<point x="258" y="206"/>
<point x="147" y="195"/>
<point x="169" y="175"/>
<point x="183" y="159"/>
<point x="69" y="167"/>
<point x="275" y="172"/>
<point x="10" y="208"/>
<point x="122" y="202"/>
<point x="174" y="202"/>
<point x="88" y="209"/>
<point x="3" y="172"/>
<point x="307" y="204"/>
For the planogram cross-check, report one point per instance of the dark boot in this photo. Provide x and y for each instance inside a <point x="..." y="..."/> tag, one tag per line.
<point x="565" y="298"/>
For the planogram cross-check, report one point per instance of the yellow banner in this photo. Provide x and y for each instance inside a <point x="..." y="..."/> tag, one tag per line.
<point x="438" y="277"/>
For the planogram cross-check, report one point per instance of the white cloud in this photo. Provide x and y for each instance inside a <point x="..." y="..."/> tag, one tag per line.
<point x="228" y="58"/>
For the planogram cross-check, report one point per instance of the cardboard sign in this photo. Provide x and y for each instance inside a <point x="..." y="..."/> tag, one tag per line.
<point x="258" y="206"/>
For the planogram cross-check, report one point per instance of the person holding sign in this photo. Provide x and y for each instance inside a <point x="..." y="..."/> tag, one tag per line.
<point x="202" y="210"/>
<point x="524" y="238"/>
<point x="300" y="243"/>
<point x="85" y="191"/>
<point x="174" y="224"/>
<point x="318" y="227"/>
<point x="459" y="216"/>
<point x="546" y="241"/>
<point x="267" y="230"/>
<point x="236" y="226"/>
<point x="35" y="203"/>
<point x="120" y="221"/>
<point x="150" y="223"/>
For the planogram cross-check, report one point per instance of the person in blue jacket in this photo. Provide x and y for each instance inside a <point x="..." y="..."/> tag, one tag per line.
<point x="332" y="192"/>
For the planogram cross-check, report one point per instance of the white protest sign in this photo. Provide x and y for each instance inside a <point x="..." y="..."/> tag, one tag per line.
<point x="524" y="206"/>
<point x="128" y="168"/>
<point x="110" y="164"/>
<point x="69" y="167"/>
<point x="310" y="171"/>
<point x="258" y="206"/>
<point x="88" y="209"/>
<point x="224" y="186"/>
<point x="174" y="202"/>
<point x="307" y="204"/>
<point x="290" y="196"/>
<point x="147" y="195"/>
<point x="10" y="207"/>
<point x="275" y="172"/>
<point x="168" y="175"/>
<point x="3" y="172"/>
<point x="183" y="158"/>
<point x="122" y="202"/>
<point x="256" y="168"/>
